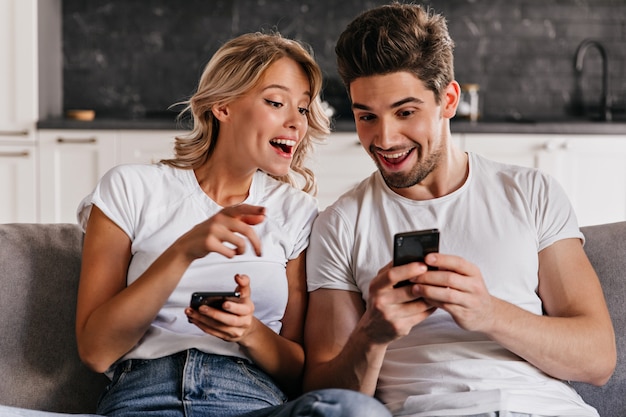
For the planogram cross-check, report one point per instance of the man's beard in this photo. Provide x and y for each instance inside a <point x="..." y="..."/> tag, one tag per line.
<point x="416" y="175"/>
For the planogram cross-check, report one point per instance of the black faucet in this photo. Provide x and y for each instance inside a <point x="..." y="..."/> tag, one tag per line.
<point x="605" y="105"/>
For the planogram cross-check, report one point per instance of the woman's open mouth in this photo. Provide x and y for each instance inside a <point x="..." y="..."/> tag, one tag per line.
<point x="285" y="146"/>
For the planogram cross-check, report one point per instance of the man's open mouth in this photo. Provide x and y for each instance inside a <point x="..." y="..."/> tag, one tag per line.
<point x="395" y="158"/>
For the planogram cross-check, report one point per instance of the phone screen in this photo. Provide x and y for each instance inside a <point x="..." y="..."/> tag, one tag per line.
<point x="211" y="299"/>
<point x="413" y="247"/>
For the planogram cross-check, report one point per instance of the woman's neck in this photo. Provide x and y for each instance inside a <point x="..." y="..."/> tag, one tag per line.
<point x="223" y="184"/>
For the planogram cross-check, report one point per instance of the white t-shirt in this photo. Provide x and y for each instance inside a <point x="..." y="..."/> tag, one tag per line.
<point x="156" y="204"/>
<point x="500" y="219"/>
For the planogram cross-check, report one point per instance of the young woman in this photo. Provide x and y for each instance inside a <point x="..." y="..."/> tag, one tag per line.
<point x="224" y="214"/>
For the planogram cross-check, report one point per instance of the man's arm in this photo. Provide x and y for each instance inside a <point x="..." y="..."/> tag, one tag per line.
<point x="332" y="358"/>
<point x="573" y="340"/>
<point x="345" y="343"/>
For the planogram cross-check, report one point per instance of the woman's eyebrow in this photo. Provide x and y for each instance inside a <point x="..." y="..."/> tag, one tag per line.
<point x="284" y="88"/>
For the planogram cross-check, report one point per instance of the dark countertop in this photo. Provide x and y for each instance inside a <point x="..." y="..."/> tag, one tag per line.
<point x="564" y="126"/>
<point x="113" y="124"/>
<point x="556" y="127"/>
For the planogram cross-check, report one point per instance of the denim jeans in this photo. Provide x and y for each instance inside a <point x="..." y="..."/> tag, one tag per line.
<point x="194" y="384"/>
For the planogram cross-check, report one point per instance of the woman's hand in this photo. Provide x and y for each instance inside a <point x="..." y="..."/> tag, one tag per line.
<point x="234" y="321"/>
<point x="230" y="227"/>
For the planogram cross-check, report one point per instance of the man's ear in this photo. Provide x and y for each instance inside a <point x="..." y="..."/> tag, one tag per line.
<point x="221" y="111"/>
<point x="450" y="99"/>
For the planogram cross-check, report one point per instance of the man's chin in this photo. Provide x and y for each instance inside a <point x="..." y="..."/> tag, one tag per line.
<point x="397" y="180"/>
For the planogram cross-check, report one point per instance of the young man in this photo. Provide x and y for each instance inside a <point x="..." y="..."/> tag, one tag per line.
<point x="514" y="307"/>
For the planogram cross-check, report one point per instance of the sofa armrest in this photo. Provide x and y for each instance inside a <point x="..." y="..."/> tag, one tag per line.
<point x="606" y="248"/>
<point x="40" y="368"/>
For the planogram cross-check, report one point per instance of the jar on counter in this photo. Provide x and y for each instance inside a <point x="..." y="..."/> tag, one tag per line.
<point x="468" y="104"/>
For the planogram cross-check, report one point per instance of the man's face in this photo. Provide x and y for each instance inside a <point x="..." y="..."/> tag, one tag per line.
<point x="401" y="125"/>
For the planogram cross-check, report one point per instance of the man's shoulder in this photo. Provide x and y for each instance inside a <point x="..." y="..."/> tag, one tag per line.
<point x="355" y="205"/>
<point x="505" y="171"/>
<point x="353" y="198"/>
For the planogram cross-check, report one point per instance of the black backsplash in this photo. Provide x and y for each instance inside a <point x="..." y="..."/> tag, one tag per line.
<point x="135" y="58"/>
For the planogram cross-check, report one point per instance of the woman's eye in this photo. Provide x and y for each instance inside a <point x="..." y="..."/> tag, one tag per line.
<point x="303" y="111"/>
<point x="274" y="103"/>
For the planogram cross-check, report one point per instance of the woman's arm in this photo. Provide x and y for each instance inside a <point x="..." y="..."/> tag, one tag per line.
<point x="109" y="321"/>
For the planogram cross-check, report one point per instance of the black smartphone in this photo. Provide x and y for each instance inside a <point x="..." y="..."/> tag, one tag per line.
<point x="213" y="299"/>
<point x="413" y="247"/>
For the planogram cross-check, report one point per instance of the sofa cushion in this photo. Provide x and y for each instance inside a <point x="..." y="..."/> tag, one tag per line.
<point x="606" y="248"/>
<point x="40" y="368"/>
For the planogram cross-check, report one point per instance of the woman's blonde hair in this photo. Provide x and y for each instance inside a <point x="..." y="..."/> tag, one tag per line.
<point x="231" y="73"/>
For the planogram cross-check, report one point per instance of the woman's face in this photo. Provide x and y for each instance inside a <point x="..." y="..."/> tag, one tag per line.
<point x="263" y="128"/>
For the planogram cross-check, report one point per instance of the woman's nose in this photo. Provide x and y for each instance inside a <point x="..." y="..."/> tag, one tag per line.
<point x="296" y="119"/>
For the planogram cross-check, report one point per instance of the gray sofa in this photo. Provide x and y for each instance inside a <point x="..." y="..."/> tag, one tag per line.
<point x="39" y="366"/>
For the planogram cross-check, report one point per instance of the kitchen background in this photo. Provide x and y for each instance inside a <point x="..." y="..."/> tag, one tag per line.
<point x="130" y="60"/>
<point x="135" y="58"/>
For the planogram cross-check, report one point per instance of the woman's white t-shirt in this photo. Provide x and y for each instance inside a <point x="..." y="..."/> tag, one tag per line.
<point x="156" y="204"/>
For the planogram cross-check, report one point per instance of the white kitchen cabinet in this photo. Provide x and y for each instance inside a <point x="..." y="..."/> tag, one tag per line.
<point x="593" y="173"/>
<point x="18" y="190"/>
<point x="339" y="164"/>
<point x="537" y="151"/>
<point x="71" y="163"/>
<point x="18" y="66"/>
<point x="18" y="110"/>
<point x="591" y="168"/>
<point x="146" y="146"/>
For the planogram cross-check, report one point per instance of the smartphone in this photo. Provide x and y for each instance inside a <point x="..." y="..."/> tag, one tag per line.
<point x="212" y="299"/>
<point x="413" y="247"/>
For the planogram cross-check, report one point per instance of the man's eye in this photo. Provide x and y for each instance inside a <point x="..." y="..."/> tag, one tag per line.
<point x="367" y="117"/>
<point x="406" y="113"/>
<point x="303" y="111"/>
<point x="274" y="103"/>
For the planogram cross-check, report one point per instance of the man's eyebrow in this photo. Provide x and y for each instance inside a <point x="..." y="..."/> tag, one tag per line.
<point x="282" y="87"/>
<point x="398" y="103"/>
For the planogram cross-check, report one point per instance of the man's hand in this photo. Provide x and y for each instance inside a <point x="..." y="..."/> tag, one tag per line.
<point x="457" y="287"/>
<point x="392" y="312"/>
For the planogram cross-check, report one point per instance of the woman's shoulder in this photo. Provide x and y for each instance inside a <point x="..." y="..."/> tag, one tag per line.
<point x="150" y="176"/>
<point x="133" y="171"/>
<point x="273" y="190"/>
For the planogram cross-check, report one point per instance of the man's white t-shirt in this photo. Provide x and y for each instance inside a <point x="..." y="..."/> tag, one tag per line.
<point x="500" y="219"/>
<point x="156" y="204"/>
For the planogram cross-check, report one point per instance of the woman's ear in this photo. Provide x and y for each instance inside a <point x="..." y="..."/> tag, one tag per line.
<point x="220" y="111"/>
<point x="450" y="100"/>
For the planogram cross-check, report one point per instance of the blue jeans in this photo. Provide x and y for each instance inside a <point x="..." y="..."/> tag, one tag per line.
<point x="192" y="383"/>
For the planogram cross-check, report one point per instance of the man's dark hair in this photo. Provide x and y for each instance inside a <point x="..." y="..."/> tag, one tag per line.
<point x="397" y="37"/>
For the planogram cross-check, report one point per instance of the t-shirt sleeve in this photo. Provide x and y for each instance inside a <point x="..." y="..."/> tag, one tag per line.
<point x="329" y="257"/>
<point x="555" y="217"/>
<point x="303" y="231"/>
<point x="116" y="195"/>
